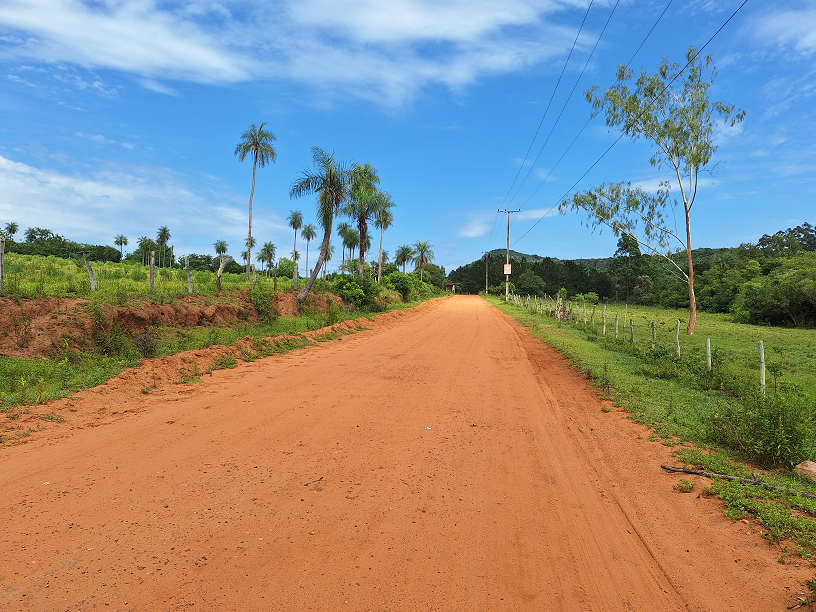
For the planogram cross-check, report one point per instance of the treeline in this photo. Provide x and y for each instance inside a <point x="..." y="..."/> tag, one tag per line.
<point x="44" y="242"/>
<point x="770" y="282"/>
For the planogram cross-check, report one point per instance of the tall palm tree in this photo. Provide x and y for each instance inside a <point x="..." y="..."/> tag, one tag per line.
<point x="363" y="202"/>
<point x="329" y="180"/>
<point x="403" y="255"/>
<point x="257" y="143"/>
<point x="120" y="241"/>
<point x="162" y="237"/>
<point x="11" y="229"/>
<point x="144" y="246"/>
<point x="422" y="255"/>
<point x="352" y="240"/>
<point x="329" y="255"/>
<point x="31" y="234"/>
<point x="267" y="255"/>
<point x="383" y="219"/>
<point x="342" y="229"/>
<point x="220" y="247"/>
<point x="295" y="220"/>
<point x="308" y="234"/>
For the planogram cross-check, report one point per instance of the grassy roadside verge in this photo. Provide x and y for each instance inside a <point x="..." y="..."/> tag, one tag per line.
<point x="684" y="407"/>
<point x="25" y="382"/>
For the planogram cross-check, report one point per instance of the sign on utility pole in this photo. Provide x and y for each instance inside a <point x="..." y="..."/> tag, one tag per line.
<point x="507" y="267"/>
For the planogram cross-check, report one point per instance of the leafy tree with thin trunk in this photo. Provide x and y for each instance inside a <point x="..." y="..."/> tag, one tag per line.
<point x="422" y="255"/>
<point x="11" y="229"/>
<point x="257" y="143"/>
<point x="679" y="117"/>
<point x="403" y="255"/>
<point x="364" y="201"/>
<point x="342" y="230"/>
<point x="162" y="237"/>
<point x="329" y="255"/>
<point x="352" y="241"/>
<point x="145" y="246"/>
<point x="267" y="255"/>
<point x="329" y="181"/>
<point x="308" y="234"/>
<point x="295" y="220"/>
<point x="121" y="241"/>
<point x="383" y="220"/>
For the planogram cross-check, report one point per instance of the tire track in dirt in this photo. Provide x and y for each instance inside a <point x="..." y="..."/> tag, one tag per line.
<point x="310" y="481"/>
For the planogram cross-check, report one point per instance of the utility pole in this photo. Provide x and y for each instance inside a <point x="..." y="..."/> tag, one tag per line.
<point x="507" y="265"/>
<point x="486" y="254"/>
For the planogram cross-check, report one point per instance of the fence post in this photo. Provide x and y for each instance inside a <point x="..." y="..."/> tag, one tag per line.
<point x="189" y="275"/>
<point x="584" y="312"/>
<point x="2" y="258"/>
<point x="631" y="331"/>
<point x="594" y="306"/>
<point x="677" y="340"/>
<point x="762" y="367"/>
<point x="604" y="321"/>
<point x="152" y="272"/>
<point x="91" y="275"/>
<point x="625" y="313"/>
<point x="653" y="334"/>
<point x="708" y="355"/>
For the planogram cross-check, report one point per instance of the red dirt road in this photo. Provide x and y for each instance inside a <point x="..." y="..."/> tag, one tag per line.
<point x="442" y="461"/>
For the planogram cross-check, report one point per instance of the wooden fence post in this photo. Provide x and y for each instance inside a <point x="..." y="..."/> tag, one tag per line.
<point x="625" y="313"/>
<point x="708" y="355"/>
<point x="677" y="340"/>
<point x="189" y="275"/>
<point x="617" y="315"/>
<point x="762" y="367"/>
<point x="2" y="262"/>
<point x="585" y="320"/>
<point x="604" y="321"/>
<point x="91" y="275"/>
<point x="152" y="272"/>
<point x="653" y="334"/>
<point x="594" y="306"/>
<point x="631" y="331"/>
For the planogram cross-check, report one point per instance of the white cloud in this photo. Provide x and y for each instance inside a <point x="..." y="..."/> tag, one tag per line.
<point x="796" y="28"/>
<point x="133" y="200"/>
<point x="534" y="214"/>
<point x="385" y="52"/>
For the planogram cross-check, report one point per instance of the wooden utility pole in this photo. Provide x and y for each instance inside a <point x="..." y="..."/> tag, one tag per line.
<point x="507" y="264"/>
<point x="486" y="254"/>
<point x="2" y="268"/>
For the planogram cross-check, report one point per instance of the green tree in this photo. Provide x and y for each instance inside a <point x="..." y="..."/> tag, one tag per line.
<point x="267" y="255"/>
<point x="352" y="241"/>
<point x="422" y="255"/>
<point x="403" y="255"/>
<point x="257" y="143"/>
<point x="329" y="180"/>
<point x="363" y="202"/>
<point x="342" y="229"/>
<point x="308" y="234"/>
<point x="162" y="236"/>
<point x="679" y="117"/>
<point x="383" y="220"/>
<point x="121" y="241"/>
<point x="220" y="247"/>
<point x="295" y="220"/>
<point x="11" y="229"/>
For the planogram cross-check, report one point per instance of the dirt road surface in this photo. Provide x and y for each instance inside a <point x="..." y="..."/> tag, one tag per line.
<point x="443" y="460"/>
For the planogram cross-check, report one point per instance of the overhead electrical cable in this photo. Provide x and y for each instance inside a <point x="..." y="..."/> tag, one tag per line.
<point x="595" y="163"/>
<point x="546" y="110"/>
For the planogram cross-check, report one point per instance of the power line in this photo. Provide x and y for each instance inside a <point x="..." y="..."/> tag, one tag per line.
<point x="540" y="123"/>
<point x="595" y="163"/>
<point x="566" y="102"/>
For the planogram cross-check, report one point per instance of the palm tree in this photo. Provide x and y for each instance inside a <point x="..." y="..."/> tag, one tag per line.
<point x="308" y="234"/>
<point x="422" y="255"/>
<point x="162" y="237"/>
<point x="267" y="255"/>
<point x="145" y="245"/>
<point x="342" y="229"/>
<point x="383" y="219"/>
<point x="120" y="241"/>
<point x="329" y="180"/>
<point x="11" y="229"/>
<point x="257" y="143"/>
<point x="220" y="247"/>
<point x="329" y="254"/>
<point x="295" y="220"/>
<point x="403" y="255"/>
<point x="363" y="202"/>
<point x="352" y="241"/>
<point x="31" y="234"/>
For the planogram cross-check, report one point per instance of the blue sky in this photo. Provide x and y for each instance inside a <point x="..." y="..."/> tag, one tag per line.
<point x="122" y="116"/>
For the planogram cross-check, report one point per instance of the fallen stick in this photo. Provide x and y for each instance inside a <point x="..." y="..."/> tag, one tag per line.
<point x="756" y="480"/>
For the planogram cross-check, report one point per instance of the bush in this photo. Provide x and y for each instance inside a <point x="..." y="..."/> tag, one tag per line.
<point x="147" y="345"/>
<point x="264" y="301"/>
<point x="350" y="289"/>
<point x="401" y="283"/>
<point x="774" y="430"/>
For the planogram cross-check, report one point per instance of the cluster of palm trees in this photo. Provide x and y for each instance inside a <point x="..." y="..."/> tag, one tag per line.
<point x="420" y="254"/>
<point x="146" y="245"/>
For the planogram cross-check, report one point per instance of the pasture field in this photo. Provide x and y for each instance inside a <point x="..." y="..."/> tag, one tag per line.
<point x="32" y="276"/>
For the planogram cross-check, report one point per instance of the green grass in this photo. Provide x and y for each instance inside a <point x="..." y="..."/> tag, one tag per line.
<point x="682" y="403"/>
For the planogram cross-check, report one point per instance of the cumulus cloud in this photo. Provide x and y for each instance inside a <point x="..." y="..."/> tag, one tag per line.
<point x="116" y="199"/>
<point x="386" y="52"/>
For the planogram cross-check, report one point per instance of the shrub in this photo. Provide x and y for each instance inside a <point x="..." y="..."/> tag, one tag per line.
<point x="264" y="301"/>
<point x="401" y="283"/>
<point x="147" y="345"/>
<point x="350" y="289"/>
